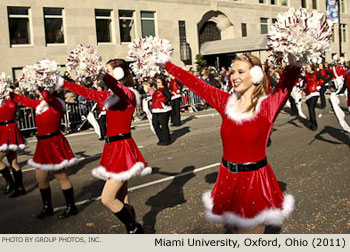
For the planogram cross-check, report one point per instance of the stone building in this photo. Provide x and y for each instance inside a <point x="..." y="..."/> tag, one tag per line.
<point x="36" y="29"/>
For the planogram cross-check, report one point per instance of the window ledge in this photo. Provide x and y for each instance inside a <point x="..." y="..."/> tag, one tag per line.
<point x="21" y="45"/>
<point x="56" y="44"/>
<point x="105" y="43"/>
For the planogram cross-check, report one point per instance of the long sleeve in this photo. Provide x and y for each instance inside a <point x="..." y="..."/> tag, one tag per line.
<point x="125" y="95"/>
<point x="97" y="96"/>
<point x="214" y="96"/>
<point x="325" y="79"/>
<point x="52" y="101"/>
<point x="167" y="95"/>
<point x="282" y="91"/>
<point x="25" y="101"/>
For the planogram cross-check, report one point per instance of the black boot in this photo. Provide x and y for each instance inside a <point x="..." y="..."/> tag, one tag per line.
<point x="9" y="181"/>
<point x="19" y="189"/>
<point x="131" y="210"/>
<point x="71" y="208"/>
<point x="125" y="216"/>
<point x="47" y="208"/>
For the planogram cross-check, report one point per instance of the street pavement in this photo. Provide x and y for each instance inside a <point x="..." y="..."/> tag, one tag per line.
<point x="311" y="165"/>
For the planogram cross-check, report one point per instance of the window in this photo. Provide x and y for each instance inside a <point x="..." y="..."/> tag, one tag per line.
<point x="182" y="31"/>
<point x="343" y="32"/>
<point x="261" y="1"/>
<point x="333" y="35"/>
<point x="148" y="24"/>
<point x="103" y="25"/>
<point x="273" y="2"/>
<point x="19" y="23"/>
<point x="244" y="29"/>
<point x="342" y="6"/>
<point x="303" y="3"/>
<point x="264" y="25"/>
<point x="284" y="2"/>
<point x="274" y="20"/>
<point x="126" y="25"/>
<point x="314" y="4"/>
<point x="54" y="31"/>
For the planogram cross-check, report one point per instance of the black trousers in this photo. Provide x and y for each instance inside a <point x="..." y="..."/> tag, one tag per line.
<point x="293" y="106"/>
<point x="160" y="124"/>
<point x="311" y="104"/>
<point x="102" y="124"/>
<point x="175" y="111"/>
<point x="322" y="97"/>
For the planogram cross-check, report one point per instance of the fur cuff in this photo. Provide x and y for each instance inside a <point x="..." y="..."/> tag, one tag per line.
<point x="54" y="167"/>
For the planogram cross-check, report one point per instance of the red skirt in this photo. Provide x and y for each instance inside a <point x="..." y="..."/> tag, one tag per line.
<point x="247" y="199"/>
<point x="52" y="154"/>
<point x="121" y="160"/>
<point x="11" y="138"/>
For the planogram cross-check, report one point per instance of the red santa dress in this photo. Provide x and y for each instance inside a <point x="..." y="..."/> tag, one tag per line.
<point x="52" y="149"/>
<point x="249" y="198"/>
<point x="10" y="135"/>
<point x="121" y="159"/>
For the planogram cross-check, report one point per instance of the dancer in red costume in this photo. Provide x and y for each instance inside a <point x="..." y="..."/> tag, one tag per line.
<point x="11" y="140"/>
<point x="121" y="158"/>
<point x="246" y="195"/>
<point x="312" y="88"/>
<point x="52" y="152"/>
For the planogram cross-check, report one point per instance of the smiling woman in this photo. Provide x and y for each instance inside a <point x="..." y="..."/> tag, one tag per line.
<point x="246" y="195"/>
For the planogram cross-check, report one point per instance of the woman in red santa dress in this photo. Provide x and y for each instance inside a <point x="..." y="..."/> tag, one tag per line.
<point x="52" y="152"/>
<point x="11" y="140"/>
<point x="246" y="195"/>
<point x="121" y="158"/>
<point x="312" y="93"/>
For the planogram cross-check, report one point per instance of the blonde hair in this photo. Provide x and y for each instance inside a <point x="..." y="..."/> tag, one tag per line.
<point x="260" y="89"/>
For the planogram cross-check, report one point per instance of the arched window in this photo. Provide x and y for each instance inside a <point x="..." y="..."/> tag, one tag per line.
<point x="209" y="32"/>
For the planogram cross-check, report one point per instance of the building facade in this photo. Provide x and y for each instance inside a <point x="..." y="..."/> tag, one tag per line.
<point x="36" y="29"/>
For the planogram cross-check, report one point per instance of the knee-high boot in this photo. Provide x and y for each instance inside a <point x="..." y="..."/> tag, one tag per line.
<point x="70" y="202"/>
<point x="47" y="205"/>
<point x="9" y="181"/>
<point x="126" y="217"/>
<point x="19" y="188"/>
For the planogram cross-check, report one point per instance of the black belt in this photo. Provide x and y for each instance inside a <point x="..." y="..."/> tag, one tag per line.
<point x="6" y="122"/>
<point x="117" y="137"/>
<point x="48" y="135"/>
<point x="244" y="167"/>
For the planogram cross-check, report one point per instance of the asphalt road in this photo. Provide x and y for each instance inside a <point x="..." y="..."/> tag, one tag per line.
<point x="313" y="166"/>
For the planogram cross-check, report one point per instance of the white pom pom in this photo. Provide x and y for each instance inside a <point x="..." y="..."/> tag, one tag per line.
<point x="149" y="55"/>
<point x="5" y="86"/>
<point x="303" y="34"/>
<point x="256" y="74"/>
<point x="118" y="73"/>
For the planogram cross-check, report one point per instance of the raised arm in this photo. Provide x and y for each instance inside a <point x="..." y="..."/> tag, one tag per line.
<point x="125" y="95"/>
<point x="282" y="90"/>
<point x="53" y="101"/>
<point x="214" y="96"/>
<point x="97" y="96"/>
<point x="25" y="101"/>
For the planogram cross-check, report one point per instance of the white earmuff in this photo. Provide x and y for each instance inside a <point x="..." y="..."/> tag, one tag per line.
<point x="257" y="75"/>
<point x="118" y="73"/>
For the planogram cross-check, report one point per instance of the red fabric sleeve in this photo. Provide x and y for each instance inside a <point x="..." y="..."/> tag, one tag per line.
<point x="25" y="101"/>
<point x="97" y="96"/>
<point x="125" y="94"/>
<point x="52" y="101"/>
<point x="282" y="91"/>
<point x="214" y="96"/>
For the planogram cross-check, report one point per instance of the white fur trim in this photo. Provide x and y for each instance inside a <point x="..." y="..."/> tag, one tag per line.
<point x="118" y="73"/>
<point x="40" y="109"/>
<point x="175" y="97"/>
<point x="111" y="101"/>
<point x="272" y="216"/>
<point x="59" y="83"/>
<point x="137" y="169"/>
<point x="257" y="75"/>
<point x="312" y="95"/>
<point x="54" y="167"/>
<point x="239" y="117"/>
<point x="165" y="109"/>
<point x="13" y="147"/>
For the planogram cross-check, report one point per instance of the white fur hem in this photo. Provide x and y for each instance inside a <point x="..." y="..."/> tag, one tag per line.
<point x="175" y="96"/>
<point x="12" y="147"/>
<point x="239" y="117"/>
<point x="54" y="167"/>
<point x="137" y="169"/>
<point x="167" y="109"/>
<point x="274" y="217"/>
<point x="312" y="95"/>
